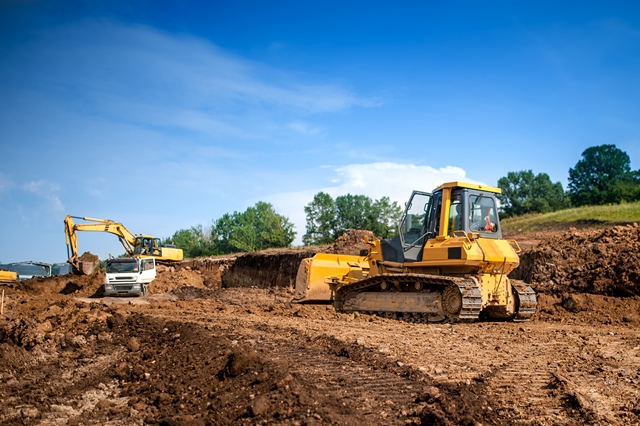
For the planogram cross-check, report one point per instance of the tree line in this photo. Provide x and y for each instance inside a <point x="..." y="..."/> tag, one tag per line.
<point x="257" y="228"/>
<point x="602" y="176"/>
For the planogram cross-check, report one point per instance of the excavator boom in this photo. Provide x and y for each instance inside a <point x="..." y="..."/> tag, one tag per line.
<point x="140" y="245"/>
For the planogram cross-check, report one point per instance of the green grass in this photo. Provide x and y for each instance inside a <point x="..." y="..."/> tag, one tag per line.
<point x="581" y="216"/>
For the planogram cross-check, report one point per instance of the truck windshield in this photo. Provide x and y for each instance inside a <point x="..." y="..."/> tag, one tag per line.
<point x="115" y="266"/>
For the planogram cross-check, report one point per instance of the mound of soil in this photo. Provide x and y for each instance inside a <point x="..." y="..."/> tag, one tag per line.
<point x="76" y="285"/>
<point x="171" y="280"/>
<point x="89" y="257"/>
<point x="600" y="261"/>
<point x="351" y="242"/>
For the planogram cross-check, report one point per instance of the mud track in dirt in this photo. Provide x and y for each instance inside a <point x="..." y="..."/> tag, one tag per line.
<point x="211" y="362"/>
<point x="201" y="354"/>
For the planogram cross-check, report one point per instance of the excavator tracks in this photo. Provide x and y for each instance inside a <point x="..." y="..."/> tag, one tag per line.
<point x="413" y="297"/>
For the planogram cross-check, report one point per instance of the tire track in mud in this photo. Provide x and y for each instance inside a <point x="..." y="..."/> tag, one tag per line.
<point x="517" y="366"/>
<point x="380" y="394"/>
<point x="372" y="391"/>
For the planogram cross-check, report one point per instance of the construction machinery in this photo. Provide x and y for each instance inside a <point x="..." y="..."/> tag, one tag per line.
<point x="138" y="245"/>
<point x="129" y="276"/>
<point x="7" y="276"/>
<point x="449" y="262"/>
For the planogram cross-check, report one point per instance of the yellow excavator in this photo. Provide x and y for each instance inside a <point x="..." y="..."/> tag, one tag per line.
<point x="448" y="263"/>
<point x="139" y="245"/>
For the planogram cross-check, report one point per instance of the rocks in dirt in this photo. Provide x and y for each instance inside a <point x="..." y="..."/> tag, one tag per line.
<point x="116" y="320"/>
<point x="600" y="261"/>
<point x="133" y="345"/>
<point x="574" y="302"/>
<point x="23" y="332"/>
<point x="239" y="362"/>
<point x="259" y="406"/>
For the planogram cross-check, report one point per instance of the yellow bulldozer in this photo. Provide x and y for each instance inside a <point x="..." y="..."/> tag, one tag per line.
<point x="449" y="262"/>
<point x="138" y="245"/>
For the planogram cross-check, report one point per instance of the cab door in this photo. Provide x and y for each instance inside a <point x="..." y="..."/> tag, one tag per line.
<point x="147" y="270"/>
<point x="413" y="229"/>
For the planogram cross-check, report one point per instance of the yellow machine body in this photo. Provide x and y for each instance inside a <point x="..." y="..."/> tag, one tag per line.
<point x="8" y="276"/>
<point x="449" y="261"/>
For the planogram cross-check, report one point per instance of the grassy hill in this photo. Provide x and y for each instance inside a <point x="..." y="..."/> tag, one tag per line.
<point x="579" y="217"/>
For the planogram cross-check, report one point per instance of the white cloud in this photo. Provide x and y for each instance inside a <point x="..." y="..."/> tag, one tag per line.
<point x="303" y="128"/>
<point x="374" y="180"/>
<point x="142" y="75"/>
<point x="47" y="191"/>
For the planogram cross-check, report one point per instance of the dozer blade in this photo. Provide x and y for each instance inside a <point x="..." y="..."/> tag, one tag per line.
<point x="312" y="273"/>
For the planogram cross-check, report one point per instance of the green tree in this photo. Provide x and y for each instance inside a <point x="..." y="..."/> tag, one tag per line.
<point x="194" y="242"/>
<point x="388" y="215"/>
<point x="321" y="220"/>
<point x="327" y="219"/>
<point x="354" y="212"/>
<point x="523" y="192"/>
<point x="257" y="228"/>
<point x="602" y="176"/>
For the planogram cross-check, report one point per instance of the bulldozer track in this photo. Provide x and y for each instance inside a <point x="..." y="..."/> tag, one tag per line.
<point x="373" y="391"/>
<point x="355" y="382"/>
<point x="519" y="367"/>
<point x="463" y="304"/>
<point x="527" y="301"/>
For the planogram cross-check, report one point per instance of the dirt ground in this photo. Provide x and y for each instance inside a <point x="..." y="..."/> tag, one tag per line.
<point x="199" y="351"/>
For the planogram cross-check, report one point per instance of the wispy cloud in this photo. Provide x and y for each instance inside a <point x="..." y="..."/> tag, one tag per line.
<point x="47" y="191"/>
<point x="304" y="128"/>
<point x="145" y="76"/>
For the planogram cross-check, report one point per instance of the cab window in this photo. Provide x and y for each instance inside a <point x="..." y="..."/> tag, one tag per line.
<point x="483" y="215"/>
<point x="456" y="222"/>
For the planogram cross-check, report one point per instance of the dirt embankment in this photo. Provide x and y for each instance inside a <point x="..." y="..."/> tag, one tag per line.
<point x="279" y="268"/>
<point x="600" y="261"/>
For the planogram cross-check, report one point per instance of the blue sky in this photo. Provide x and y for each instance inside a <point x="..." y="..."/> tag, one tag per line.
<point x="163" y="114"/>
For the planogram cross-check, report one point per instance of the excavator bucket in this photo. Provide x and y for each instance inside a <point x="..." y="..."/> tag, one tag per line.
<point x="86" y="267"/>
<point x="311" y="278"/>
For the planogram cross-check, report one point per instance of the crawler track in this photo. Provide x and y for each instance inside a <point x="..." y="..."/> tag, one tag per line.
<point x="413" y="297"/>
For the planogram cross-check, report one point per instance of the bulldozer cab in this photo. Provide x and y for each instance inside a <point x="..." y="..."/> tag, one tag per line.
<point x="452" y="210"/>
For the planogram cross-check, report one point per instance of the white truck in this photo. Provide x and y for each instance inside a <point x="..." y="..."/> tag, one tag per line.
<point x="129" y="276"/>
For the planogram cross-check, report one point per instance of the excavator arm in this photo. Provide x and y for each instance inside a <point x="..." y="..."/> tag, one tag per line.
<point x="134" y="245"/>
<point x="127" y="239"/>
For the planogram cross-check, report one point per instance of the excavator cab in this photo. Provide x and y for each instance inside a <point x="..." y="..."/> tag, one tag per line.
<point x="147" y="246"/>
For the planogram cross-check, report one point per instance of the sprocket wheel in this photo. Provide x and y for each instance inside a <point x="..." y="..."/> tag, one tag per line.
<point x="452" y="301"/>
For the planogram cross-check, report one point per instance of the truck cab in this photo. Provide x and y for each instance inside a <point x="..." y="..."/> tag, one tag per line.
<point x="129" y="276"/>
